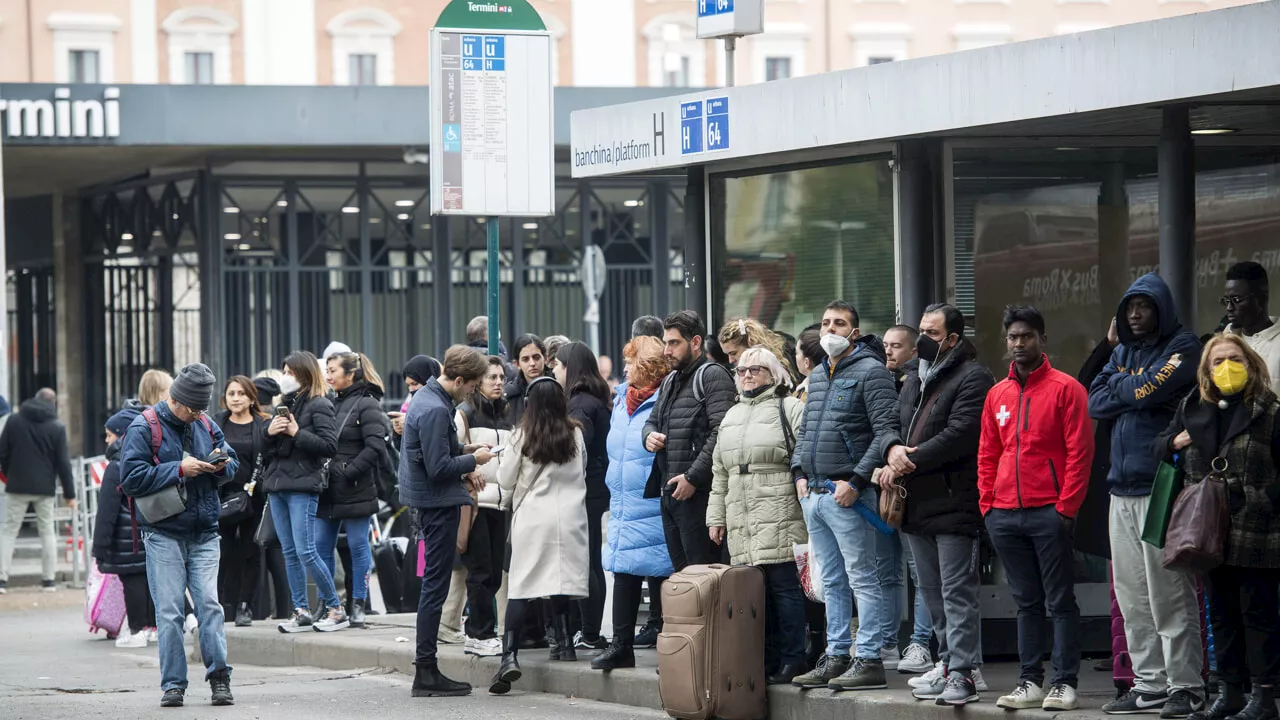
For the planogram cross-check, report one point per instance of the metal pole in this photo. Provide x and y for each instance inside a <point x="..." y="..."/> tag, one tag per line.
<point x="1177" y="190"/>
<point x="730" y="48"/>
<point x="4" y="289"/>
<point x="491" y="231"/>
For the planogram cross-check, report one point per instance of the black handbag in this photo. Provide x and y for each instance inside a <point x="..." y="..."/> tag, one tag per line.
<point x="266" y="533"/>
<point x="236" y="508"/>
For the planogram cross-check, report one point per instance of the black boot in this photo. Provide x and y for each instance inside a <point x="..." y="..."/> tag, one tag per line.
<point x="1262" y="706"/>
<point x="619" y="654"/>
<point x="563" y="648"/>
<point x="220" y="684"/>
<point x="1229" y="702"/>
<point x="357" y="613"/>
<point x="244" y="618"/>
<point x="509" y="669"/>
<point x="785" y="674"/>
<point x="428" y="681"/>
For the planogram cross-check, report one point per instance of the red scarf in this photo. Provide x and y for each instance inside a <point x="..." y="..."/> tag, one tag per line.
<point x="636" y="396"/>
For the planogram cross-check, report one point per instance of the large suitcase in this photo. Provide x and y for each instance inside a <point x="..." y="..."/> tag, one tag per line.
<point x="711" y="649"/>
<point x="388" y="558"/>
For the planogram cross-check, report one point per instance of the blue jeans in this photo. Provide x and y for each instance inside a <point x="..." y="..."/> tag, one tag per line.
<point x="357" y="539"/>
<point x="892" y="587"/>
<point x="173" y="567"/>
<point x="922" y="628"/>
<point x="845" y="546"/>
<point x="294" y="515"/>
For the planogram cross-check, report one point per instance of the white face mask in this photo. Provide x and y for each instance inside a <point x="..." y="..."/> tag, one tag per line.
<point x="288" y="384"/>
<point x="835" y="345"/>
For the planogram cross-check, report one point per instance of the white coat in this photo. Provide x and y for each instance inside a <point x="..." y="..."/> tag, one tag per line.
<point x="549" y="554"/>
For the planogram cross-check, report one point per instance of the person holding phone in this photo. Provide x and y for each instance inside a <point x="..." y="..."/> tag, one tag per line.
<point x="300" y="440"/>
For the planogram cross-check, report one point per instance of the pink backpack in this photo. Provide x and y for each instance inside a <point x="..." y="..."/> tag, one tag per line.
<point x="104" y="606"/>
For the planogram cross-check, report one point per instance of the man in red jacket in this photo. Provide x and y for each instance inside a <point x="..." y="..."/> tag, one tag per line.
<point x="1033" y="471"/>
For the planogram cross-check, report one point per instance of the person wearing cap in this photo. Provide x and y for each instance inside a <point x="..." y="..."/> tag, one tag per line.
<point x="171" y="444"/>
<point x="114" y="545"/>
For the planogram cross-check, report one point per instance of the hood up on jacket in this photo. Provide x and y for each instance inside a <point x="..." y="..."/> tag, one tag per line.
<point x="866" y="344"/>
<point x="1167" y="324"/>
<point x="37" y="411"/>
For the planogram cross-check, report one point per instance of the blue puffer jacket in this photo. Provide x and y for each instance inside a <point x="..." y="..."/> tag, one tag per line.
<point x="849" y="417"/>
<point x="636" y="544"/>
<point x="1141" y="386"/>
<point x="142" y="476"/>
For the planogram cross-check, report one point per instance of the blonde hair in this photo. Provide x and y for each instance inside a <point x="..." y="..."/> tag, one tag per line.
<point x="1259" y="378"/>
<point x="648" y="367"/>
<point x="154" y="387"/>
<point x="764" y="357"/>
<point x="751" y="334"/>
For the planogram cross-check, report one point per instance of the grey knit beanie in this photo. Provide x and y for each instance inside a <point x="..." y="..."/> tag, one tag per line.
<point x="194" y="386"/>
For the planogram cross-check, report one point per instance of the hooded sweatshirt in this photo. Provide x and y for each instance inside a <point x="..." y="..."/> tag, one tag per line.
<point x="1141" y="386"/>
<point x="33" y="451"/>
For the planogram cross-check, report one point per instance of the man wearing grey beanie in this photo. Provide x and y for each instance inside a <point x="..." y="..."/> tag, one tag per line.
<point x="175" y="444"/>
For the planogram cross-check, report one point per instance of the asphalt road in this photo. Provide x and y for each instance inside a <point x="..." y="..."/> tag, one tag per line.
<point x="51" y="668"/>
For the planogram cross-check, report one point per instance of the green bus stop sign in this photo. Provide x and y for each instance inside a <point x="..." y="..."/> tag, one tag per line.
<point x="490" y="15"/>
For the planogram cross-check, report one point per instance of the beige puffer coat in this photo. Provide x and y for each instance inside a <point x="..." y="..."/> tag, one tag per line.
<point x="759" y="509"/>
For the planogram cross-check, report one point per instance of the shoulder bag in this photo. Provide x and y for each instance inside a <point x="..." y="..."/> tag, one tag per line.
<point x="467" y="516"/>
<point x="1198" y="526"/>
<point x="170" y="500"/>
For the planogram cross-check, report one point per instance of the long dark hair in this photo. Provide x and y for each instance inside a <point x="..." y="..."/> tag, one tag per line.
<point x="250" y="390"/>
<point x="546" y="426"/>
<point x="582" y="372"/>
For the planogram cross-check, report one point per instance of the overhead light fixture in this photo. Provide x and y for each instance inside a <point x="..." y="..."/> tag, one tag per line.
<point x="1214" y="131"/>
<point x="405" y="203"/>
<point x="351" y="210"/>
<point x="1066" y="149"/>
<point x="632" y="203"/>
<point x="530" y="226"/>
<point x="231" y="209"/>
<point x="374" y="221"/>
<point x="126" y="236"/>
<point x="282" y="203"/>
<point x="402" y="216"/>
<point x="244" y="246"/>
<point x="231" y="236"/>
<point x="480" y="220"/>
<point x="124" y="248"/>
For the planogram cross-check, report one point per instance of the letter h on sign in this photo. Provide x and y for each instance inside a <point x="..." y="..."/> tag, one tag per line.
<point x="691" y="127"/>
<point x="659" y="134"/>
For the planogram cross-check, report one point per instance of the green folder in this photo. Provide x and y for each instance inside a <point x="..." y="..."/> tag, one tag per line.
<point x="1164" y="491"/>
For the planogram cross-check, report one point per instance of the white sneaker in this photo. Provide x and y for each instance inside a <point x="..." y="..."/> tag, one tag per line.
<point x="192" y="624"/>
<point x="915" y="659"/>
<point x="153" y="635"/>
<point x="1061" y="697"/>
<point x="890" y="657"/>
<point x="451" y="637"/>
<point x="127" y="639"/>
<point x="483" y="648"/>
<point x="978" y="681"/>
<point x="930" y="678"/>
<point x="1026" y="696"/>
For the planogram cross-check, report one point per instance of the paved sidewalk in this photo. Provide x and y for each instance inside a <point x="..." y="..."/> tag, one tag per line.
<point x="388" y="643"/>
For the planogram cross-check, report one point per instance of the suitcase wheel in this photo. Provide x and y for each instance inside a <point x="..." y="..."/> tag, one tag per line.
<point x="753" y="611"/>
<point x="751" y="684"/>
<point x="730" y="608"/>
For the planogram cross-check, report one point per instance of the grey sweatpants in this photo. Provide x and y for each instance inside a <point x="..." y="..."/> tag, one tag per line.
<point x="947" y="576"/>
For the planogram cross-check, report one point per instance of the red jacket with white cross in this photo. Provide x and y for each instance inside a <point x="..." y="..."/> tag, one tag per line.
<point x="1037" y="443"/>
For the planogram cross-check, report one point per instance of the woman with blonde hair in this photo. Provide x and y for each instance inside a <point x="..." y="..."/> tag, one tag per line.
<point x="154" y="387"/>
<point x="738" y="335"/>
<point x="1228" y="428"/>
<point x="753" y="501"/>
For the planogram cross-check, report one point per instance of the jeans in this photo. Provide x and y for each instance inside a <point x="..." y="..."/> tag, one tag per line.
<point x="844" y="541"/>
<point x="684" y="523"/>
<point x="892" y="588"/>
<point x="326" y="533"/>
<point x="592" y="606"/>
<point x="294" y="515"/>
<point x="947" y="567"/>
<point x="439" y="534"/>
<point x="485" y="551"/>
<point x="15" y="508"/>
<point x="1246" y="626"/>
<point x="784" y="616"/>
<point x="1036" y="550"/>
<point x="173" y="567"/>
<point x="922" y="625"/>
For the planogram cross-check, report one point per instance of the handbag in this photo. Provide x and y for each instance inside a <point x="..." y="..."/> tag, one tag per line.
<point x="1197" y="537"/>
<point x="237" y="508"/>
<point x="468" y="513"/>
<point x="893" y="506"/>
<point x="170" y="500"/>
<point x="1164" y="492"/>
<point x="266" y="532"/>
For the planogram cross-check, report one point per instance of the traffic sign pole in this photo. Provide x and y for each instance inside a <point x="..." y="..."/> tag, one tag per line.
<point x="730" y="50"/>
<point x="491" y="234"/>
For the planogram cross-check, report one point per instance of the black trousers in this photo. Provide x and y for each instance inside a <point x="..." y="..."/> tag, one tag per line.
<point x="519" y="610"/>
<point x="483" y="559"/>
<point x="1246" y="626"/>
<point x="278" y="575"/>
<point x="626" y="604"/>
<point x="439" y="528"/>
<point x="241" y="562"/>
<point x="784" y="615"/>
<point x="684" y="522"/>
<point x="137" y="602"/>
<point x="591" y="607"/>
<point x="655" y="603"/>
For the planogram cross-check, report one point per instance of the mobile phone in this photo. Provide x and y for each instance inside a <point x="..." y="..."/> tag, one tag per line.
<point x="217" y="456"/>
<point x="498" y="450"/>
<point x="282" y="411"/>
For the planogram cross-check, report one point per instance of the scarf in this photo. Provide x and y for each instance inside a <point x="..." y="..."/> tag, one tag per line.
<point x="636" y="396"/>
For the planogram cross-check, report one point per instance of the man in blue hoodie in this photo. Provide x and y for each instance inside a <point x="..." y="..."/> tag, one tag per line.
<point x="1150" y="372"/>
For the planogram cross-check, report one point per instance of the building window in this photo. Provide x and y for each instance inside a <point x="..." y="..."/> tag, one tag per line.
<point x="84" y="46"/>
<point x="362" y="69"/>
<point x="878" y="43"/>
<point x="199" y="46"/>
<point x="972" y="37"/>
<point x="83" y="66"/>
<point x="777" y="68"/>
<point x="199" y="68"/>
<point x="878" y="60"/>
<point x="364" y="47"/>
<point x="676" y="71"/>
<point x="677" y="58"/>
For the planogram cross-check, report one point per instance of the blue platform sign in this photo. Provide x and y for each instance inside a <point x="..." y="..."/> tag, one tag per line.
<point x="690" y="128"/>
<point x="707" y="8"/>
<point x="717" y="123"/>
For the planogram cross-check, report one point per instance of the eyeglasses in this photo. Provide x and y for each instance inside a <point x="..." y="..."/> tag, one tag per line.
<point x="753" y="371"/>
<point x="1233" y="300"/>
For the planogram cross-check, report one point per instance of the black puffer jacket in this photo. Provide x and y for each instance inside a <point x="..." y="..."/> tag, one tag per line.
<point x="33" y="451"/>
<point x="296" y="464"/>
<point x="594" y="415"/>
<point x="362" y="447"/>
<point x="691" y="427"/>
<point x="113" y="539"/>
<point x="942" y="494"/>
